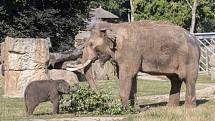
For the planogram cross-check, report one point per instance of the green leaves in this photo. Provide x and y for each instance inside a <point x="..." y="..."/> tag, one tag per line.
<point x="86" y="101"/>
<point x="58" y="19"/>
<point x="177" y="12"/>
<point x="173" y="11"/>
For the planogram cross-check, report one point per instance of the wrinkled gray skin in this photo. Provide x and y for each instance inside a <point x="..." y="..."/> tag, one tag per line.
<point x="152" y="47"/>
<point x="45" y="90"/>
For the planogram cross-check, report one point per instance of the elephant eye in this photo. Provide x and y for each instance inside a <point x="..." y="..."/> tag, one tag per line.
<point x="91" y="44"/>
<point x="98" y="52"/>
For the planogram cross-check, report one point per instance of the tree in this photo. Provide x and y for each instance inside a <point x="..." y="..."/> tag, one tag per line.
<point x="130" y="15"/>
<point x="205" y="16"/>
<point x="178" y="12"/>
<point x="193" y="22"/>
<point x="174" y="11"/>
<point x="58" y="19"/>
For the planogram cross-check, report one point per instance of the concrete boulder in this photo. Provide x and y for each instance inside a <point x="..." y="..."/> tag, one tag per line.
<point x="16" y="81"/>
<point x="2" y="52"/>
<point x="24" y="60"/>
<point x="25" y="53"/>
<point x="212" y="64"/>
<point x="106" y="72"/>
<point x="71" y="77"/>
<point x="212" y="60"/>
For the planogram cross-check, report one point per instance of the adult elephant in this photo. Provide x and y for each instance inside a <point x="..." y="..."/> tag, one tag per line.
<point x="151" y="47"/>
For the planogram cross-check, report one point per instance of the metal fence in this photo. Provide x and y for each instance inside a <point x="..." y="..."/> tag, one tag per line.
<point x="207" y="45"/>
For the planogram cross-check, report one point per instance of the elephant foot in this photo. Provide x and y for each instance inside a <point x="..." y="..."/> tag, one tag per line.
<point x="125" y="107"/>
<point x="54" y="113"/>
<point x="189" y="105"/>
<point x="173" y="104"/>
<point x="28" y="114"/>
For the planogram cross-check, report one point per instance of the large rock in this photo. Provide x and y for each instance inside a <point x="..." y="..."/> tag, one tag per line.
<point x="212" y="60"/>
<point x="16" y="81"/>
<point x="25" y="54"/>
<point x="2" y="52"/>
<point x="81" y="37"/>
<point x="24" y="60"/>
<point x="212" y="64"/>
<point x="71" y="77"/>
<point x="105" y="72"/>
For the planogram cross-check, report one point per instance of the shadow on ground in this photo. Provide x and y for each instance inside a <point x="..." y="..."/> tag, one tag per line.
<point x="41" y="114"/>
<point x="160" y="104"/>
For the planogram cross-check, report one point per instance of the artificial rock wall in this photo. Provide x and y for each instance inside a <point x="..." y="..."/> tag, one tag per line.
<point x="24" y="60"/>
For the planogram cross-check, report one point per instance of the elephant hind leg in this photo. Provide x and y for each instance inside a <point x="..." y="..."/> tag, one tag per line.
<point x="190" y="82"/>
<point x="31" y="108"/>
<point x="174" y="95"/>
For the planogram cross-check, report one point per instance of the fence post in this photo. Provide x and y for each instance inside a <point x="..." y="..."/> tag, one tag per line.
<point x="207" y="62"/>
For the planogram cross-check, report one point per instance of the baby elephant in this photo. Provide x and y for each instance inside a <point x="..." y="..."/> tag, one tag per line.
<point x="45" y="90"/>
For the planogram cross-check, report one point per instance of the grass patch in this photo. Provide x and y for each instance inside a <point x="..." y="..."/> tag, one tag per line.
<point x="204" y="79"/>
<point x="14" y="108"/>
<point x="1" y="85"/>
<point x="144" y="87"/>
<point x="204" y="112"/>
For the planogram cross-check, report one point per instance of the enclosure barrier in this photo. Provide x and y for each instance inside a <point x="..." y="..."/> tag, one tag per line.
<point x="207" y="45"/>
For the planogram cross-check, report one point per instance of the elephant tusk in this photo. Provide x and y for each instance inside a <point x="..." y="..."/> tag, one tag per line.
<point x="74" y="66"/>
<point x="79" y="66"/>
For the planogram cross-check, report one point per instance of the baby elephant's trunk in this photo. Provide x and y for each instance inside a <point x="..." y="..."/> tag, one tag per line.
<point x="74" y="88"/>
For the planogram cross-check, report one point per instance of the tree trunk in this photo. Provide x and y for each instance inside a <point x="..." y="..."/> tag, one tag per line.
<point x="195" y="5"/>
<point x="132" y="11"/>
<point x="60" y="58"/>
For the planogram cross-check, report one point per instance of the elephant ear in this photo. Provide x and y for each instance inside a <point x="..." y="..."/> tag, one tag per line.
<point x="110" y="36"/>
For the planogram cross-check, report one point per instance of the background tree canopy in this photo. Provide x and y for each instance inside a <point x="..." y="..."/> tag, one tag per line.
<point x="58" y="19"/>
<point x="62" y="19"/>
<point x="177" y="12"/>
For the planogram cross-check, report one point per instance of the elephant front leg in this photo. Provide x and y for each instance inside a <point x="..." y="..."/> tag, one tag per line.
<point x="90" y="78"/>
<point x="127" y="87"/>
<point x="55" y="103"/>
<point x="133" y="93"/>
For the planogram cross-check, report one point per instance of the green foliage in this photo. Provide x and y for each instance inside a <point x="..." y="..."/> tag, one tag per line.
<point x="86" y="101"/>
<point x="58" y="19"/>
<point x="177" y="12"/>
<point x="206" y="16"/>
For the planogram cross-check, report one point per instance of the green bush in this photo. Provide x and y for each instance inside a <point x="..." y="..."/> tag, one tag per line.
<point x="58" y="19"/>
<point x="87" y="101"/>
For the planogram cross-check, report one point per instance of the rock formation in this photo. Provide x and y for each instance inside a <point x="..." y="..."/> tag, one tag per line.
<point x="24" y="60"/>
